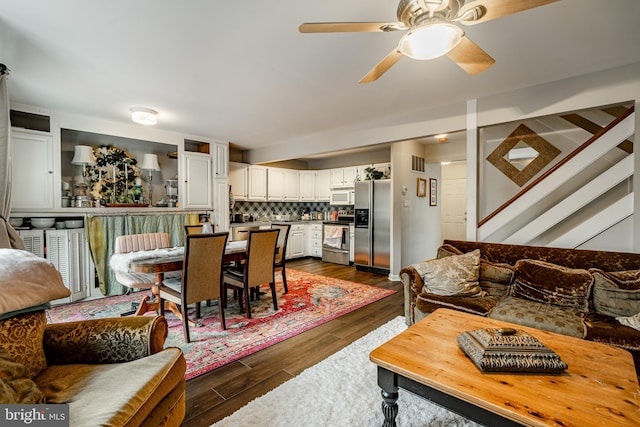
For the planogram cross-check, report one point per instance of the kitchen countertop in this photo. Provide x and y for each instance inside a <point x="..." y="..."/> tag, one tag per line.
<point x="259" y="223"/>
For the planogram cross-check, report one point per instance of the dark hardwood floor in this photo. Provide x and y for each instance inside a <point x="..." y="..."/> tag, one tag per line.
<point x="219" y="393"/>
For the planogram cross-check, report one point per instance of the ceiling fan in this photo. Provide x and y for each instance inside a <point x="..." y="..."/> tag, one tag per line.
<point x="432" y="31"/>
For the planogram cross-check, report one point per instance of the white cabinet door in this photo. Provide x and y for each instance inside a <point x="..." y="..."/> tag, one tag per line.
<point x="198" y="181"/>
<point x="221" y="205"/>
<point x="323" y="185"/>
<point x="68" y="251"/>
<point x="221" y="159"/>
<point x="352" y="243"/>
<point x="349" y="175"/>
<point x="290" y="185"/>
<point x="32" y="170"/>
<point x="275" y="184"/>
<point x="314" y="239"/>
<point x="238" y="180"/>
<point x="337" y="178"/>
<point x="296" y="242"/>
<point x="307" y="186"/>
<point x="257" y="182"/>
<point x="343" y="177"/>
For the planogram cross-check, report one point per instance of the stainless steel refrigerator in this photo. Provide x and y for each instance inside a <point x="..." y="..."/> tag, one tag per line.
<point x="372" y="218"/>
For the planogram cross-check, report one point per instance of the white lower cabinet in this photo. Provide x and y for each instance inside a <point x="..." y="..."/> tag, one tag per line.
<point x="352" y="241"/>
<point x="68" y="251"/>
<point x="33" y="241"/>
<point x="296" y="241"/>
<point x="314" y="239"/>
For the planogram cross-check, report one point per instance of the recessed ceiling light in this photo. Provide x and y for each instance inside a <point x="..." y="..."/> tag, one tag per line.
<point x="144" y="116"/>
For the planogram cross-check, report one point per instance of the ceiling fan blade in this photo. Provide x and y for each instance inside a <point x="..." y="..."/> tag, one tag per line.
<point x="470" y="57"/>
<point x="382" y="67"/>
<point x="492" y="9"/>
<point x="350" y="27"/>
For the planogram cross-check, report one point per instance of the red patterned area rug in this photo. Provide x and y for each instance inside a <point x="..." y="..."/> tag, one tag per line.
<point x="311" y="301"/>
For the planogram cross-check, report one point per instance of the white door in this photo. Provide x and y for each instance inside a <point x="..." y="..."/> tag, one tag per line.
<point x="32" y="171"/>
<point x="198" y="182"/>
<point x="454" y="201"/>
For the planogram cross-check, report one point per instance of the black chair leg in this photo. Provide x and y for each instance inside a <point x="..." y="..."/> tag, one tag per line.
<point x="284" y="279"/>
<point x="273" y="295"/>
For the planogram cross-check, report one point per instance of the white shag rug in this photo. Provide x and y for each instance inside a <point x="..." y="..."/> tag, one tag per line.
<point x="341" y="390"/>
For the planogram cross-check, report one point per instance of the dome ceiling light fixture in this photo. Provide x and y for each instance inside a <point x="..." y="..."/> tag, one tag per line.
<point x="144" y="116"/>
<point x="433" y="31"/>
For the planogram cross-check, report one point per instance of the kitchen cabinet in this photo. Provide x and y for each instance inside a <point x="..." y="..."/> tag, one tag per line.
<point x="308" y="186"/>
<point x="221" y="159"/>
<point x="32" y="170"/>
<point x="257" y="183"/>
<point x="33" y="241"/>
<point x="238" y="176"/>
<point x="198" y="192"/>
<point x="343" y="177"/>
<point x="352" y="242"/>
<point x="220" y="217"/>
<point x="68" y="251"/>
<point x="314" y="239"/>
<point x="323" y="185"/>
<point x="275" y="184"/>
<point x="296" y="241"/>
<point x="282" y="185"/>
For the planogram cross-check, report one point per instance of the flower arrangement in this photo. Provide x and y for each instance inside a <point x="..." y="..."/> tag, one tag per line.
<point x="113" y="177"/>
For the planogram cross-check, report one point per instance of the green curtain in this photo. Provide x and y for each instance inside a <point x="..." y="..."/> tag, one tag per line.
<point x="103" y="231"/>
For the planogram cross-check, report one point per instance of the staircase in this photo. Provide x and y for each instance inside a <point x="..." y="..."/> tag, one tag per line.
<point x="580" y="197"/>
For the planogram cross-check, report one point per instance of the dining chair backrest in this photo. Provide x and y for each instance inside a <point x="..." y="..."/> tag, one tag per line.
<point x="193" y="229"/>
<point x="142" y="242"/>
<point x="202" y="269"/>
<point x="261" y="249"/>
<point x="283" y="236"/>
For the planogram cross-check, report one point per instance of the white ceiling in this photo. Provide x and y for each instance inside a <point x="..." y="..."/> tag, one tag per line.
<point x="240" y="71"/>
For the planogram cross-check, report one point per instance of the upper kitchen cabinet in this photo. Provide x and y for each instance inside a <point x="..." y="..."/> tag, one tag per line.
<point x="323" y="185"/>
<point x="283" y="185"/>
<point x="198" y="184"/>
<point x="32" y="170"/>
<point x="238" y="180"/>
<point x="343" y="177"/>
<point x="257" y="183"/>
<point x="315" y="186"/>
<point x="221" y="159"/>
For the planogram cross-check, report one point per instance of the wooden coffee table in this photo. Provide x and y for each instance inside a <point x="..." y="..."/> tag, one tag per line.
<point x="600" y="386"/>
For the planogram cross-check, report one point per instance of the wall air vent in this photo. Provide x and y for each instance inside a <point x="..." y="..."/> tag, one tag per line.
<point x="417" y="164"/>
<point x="21" y="119"/>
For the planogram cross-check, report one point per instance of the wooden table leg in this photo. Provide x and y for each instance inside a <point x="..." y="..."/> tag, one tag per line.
<point x="147" y="304"/>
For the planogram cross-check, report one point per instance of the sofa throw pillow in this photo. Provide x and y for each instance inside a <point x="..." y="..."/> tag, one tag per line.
<point x="549" y="283"/>
<point x="448" y="250"/>
<point x="15" y="386"/>
<point x="22" y="336"/>
<point x="630" y="321"/>
<point x="616" y="293"/>
<point x="27" y="280"/>
<point x="453" y="275"/>
<point x="495" y="278"/>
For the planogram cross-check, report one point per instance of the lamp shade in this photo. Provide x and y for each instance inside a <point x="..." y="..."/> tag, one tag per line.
<point x="150" y="162"/>
<point x="83" y="155"/>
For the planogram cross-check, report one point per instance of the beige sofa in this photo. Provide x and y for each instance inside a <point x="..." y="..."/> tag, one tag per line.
<point x="111" y="372"/>
<point x="570" y="291"/>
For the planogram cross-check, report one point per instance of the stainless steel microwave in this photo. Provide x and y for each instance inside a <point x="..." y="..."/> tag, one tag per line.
<point x="342" y="197"/>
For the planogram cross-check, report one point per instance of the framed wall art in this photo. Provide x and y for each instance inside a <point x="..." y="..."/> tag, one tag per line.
<point x="433" y="192"/>
<point x="422" y="187"/>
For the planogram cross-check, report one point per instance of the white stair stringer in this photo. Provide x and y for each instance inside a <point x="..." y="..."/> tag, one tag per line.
<point x="589" y="192"/>
<point x="575" y="165"/>
<point x="595" y="225"/>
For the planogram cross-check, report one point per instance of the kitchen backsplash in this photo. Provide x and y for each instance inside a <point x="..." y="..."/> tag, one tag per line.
<point x="267" y="209"/>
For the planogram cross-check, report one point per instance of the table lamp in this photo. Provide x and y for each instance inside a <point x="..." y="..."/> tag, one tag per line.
<point x="83" y="155"/>
<point x="150" y="163"/>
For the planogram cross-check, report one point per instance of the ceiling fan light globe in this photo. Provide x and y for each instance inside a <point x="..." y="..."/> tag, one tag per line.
<point x="430" y="41"/>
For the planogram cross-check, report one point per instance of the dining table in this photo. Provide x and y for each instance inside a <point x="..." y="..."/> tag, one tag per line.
<point x="235" y="251"/>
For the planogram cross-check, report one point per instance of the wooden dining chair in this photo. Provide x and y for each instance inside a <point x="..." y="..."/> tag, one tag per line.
<point x="257" y="269"/>
<point x="281" y="254"/>
<point x="196" y="229"/>
<point x="201" y="278"/>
